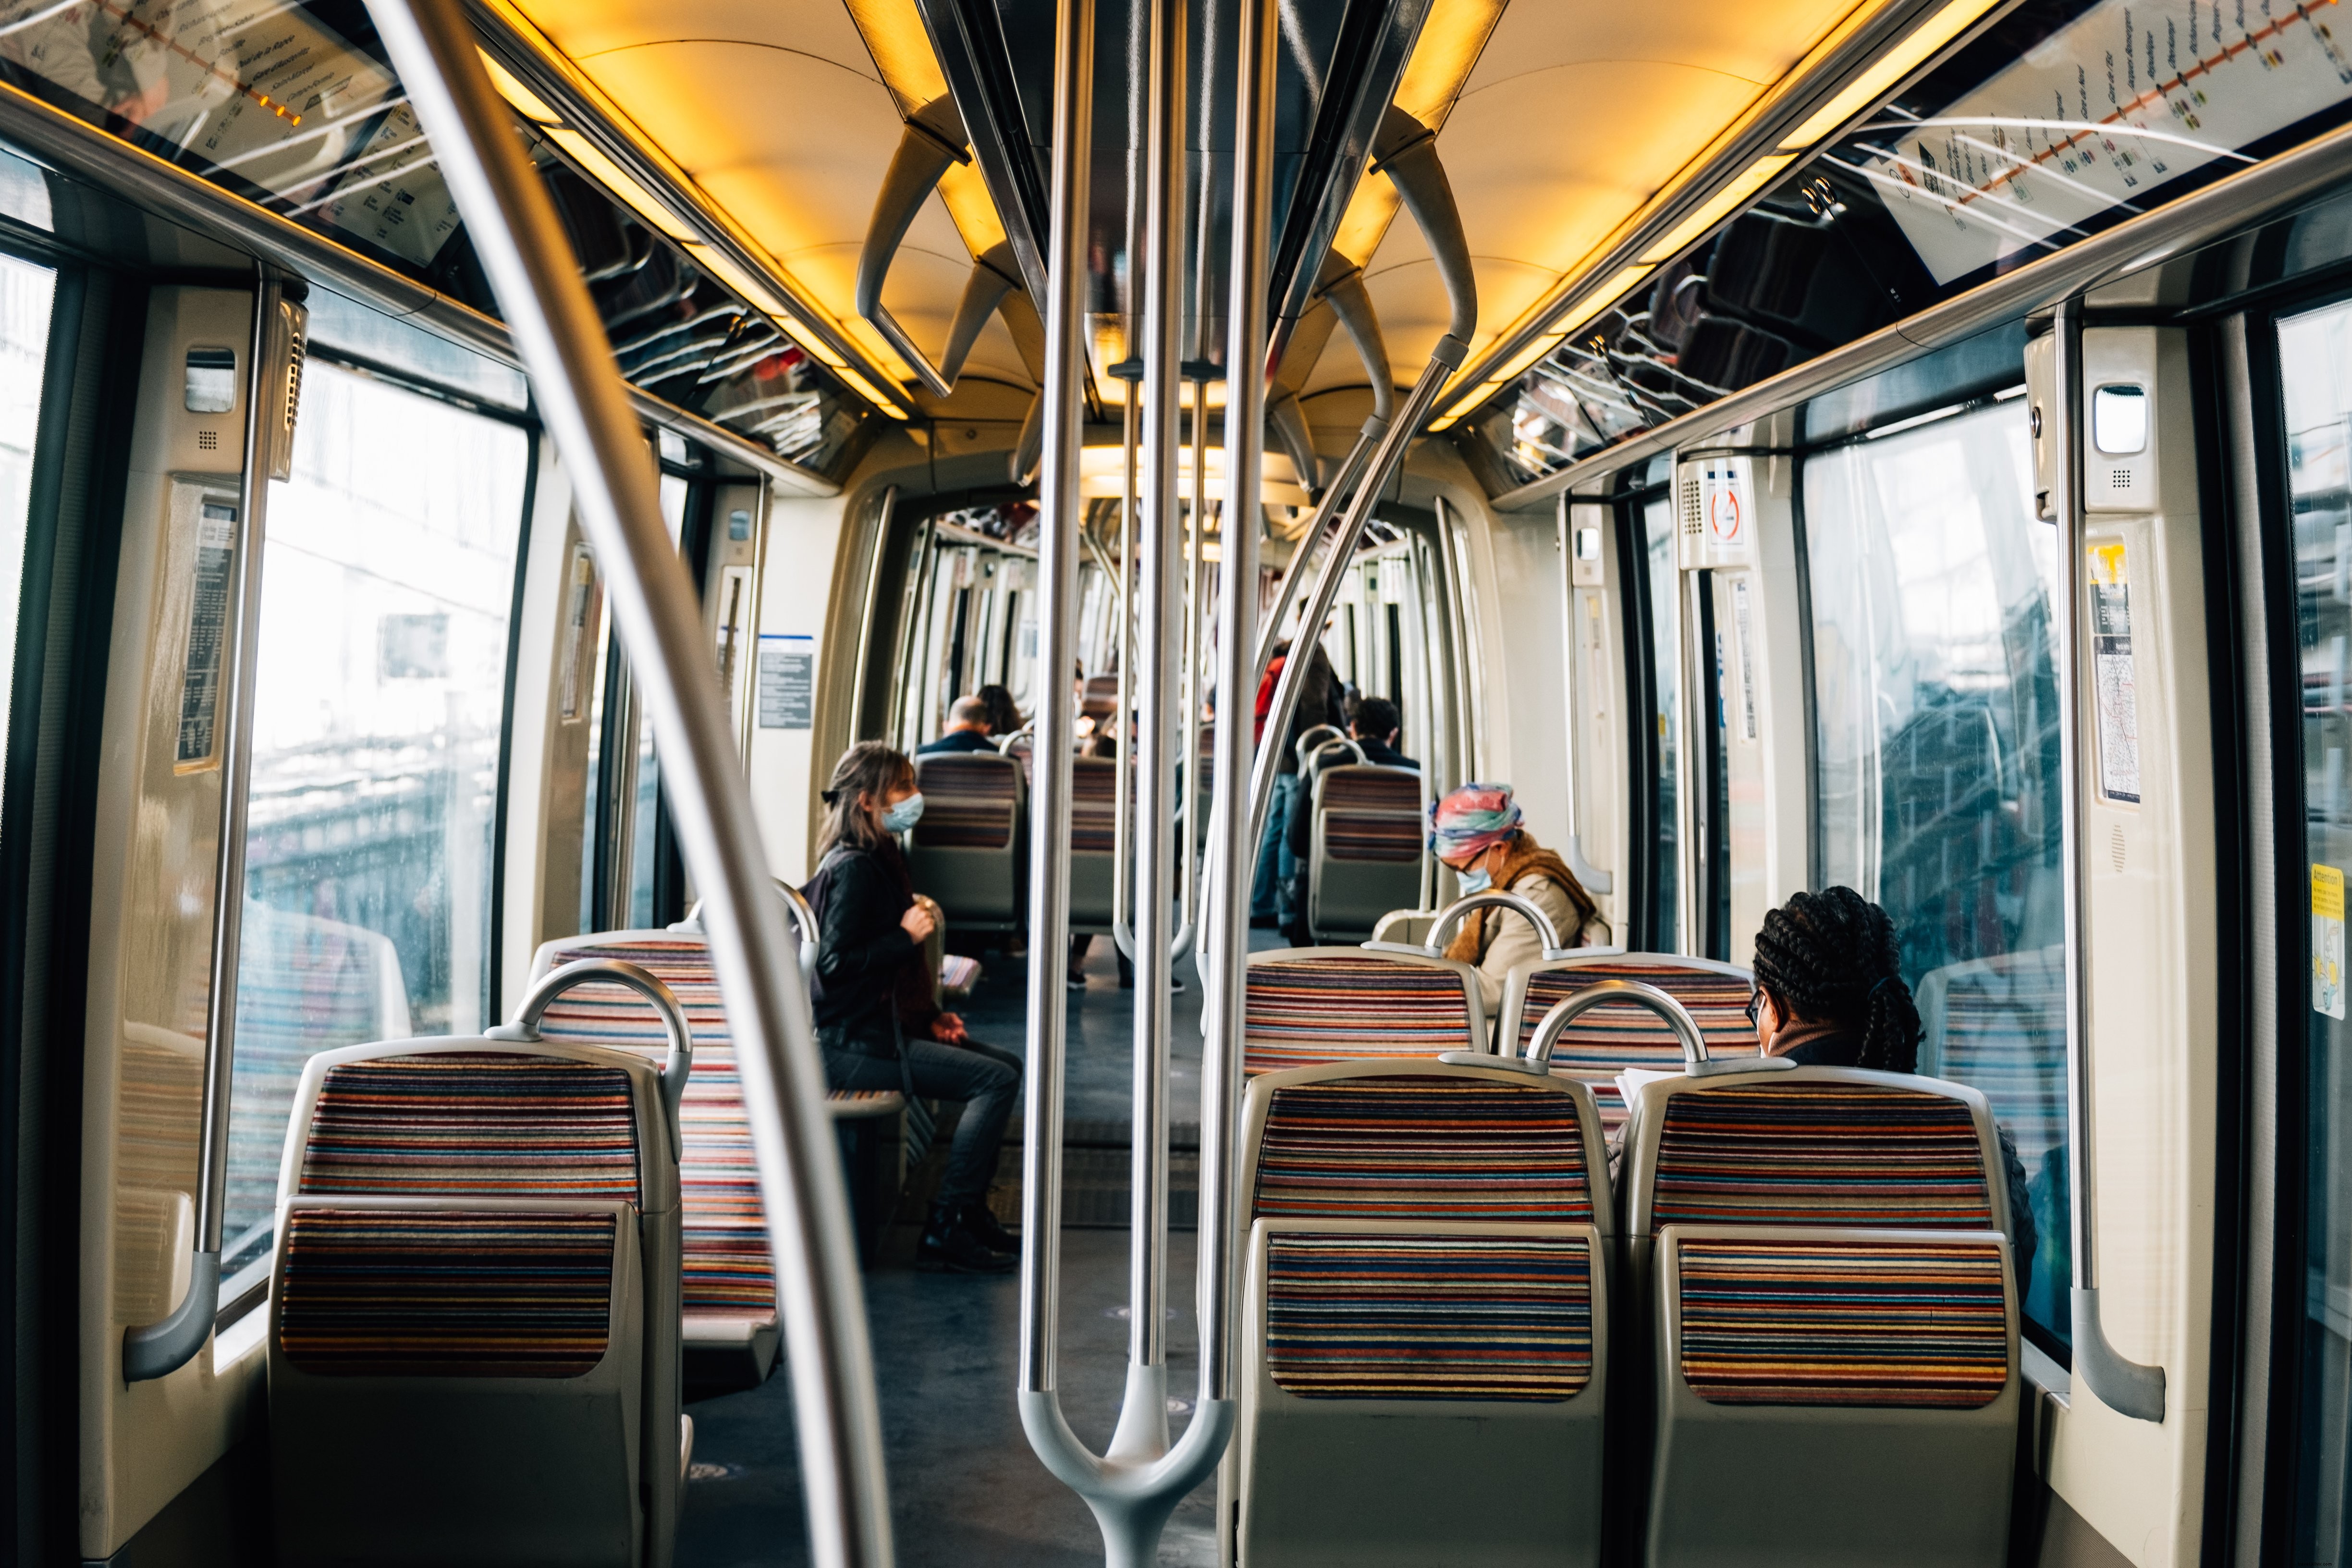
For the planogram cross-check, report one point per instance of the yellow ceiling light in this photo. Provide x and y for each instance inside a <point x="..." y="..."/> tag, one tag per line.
<point x="607" y="174"/>
<point x="868" y="391"/>
<point x="1370" y="211"/>
<point x="1717" y="207"/>
<point x="1446" y="422"/>
<point x="1102" y="474"/>
<point x="894" y="35"/>
<point x="1450" y="43"/>
<point x="754" y="292"/>
<point x="1888" y="69"/>
<point x="526" y="102"/>
<point x="964" y="189"/>
<point x="1512" y="367"/>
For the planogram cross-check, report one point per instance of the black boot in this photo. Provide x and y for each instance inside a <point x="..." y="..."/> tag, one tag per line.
<point x="949" y="1247"/>
<point x="982" y="1223"/>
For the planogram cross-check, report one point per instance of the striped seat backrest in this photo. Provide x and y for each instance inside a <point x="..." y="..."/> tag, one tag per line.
<point x="1094" y="805"/>
<point x="1406" y="1146"/>
<point x="1371" y="814"/>
<point x="1813" y="1153"/>
<point x="446" y="1293"/>
<point x="1341" y="1006"/>
<point x="728" y="1266"/>
<point x="1849" y="1321"/>
<point x="486" y="1124"/>
<point x="1391" y="1316"/>
<point x="1601" y="1044"/>
<point x="969" y="800"/>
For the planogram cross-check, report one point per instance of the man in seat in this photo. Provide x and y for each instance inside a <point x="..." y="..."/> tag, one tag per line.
<point x="967" y="729"/>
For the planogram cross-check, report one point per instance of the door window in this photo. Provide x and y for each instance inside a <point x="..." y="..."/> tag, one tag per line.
<point x="26" y="290"/>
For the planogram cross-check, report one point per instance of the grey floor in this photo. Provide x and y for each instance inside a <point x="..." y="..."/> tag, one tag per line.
<point x="965" y="1488"/>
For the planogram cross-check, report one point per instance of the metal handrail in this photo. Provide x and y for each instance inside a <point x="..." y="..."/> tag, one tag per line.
<point x="1601" y="991"/>
<point x="2123" y="1385"/>
<point x="804" y="923"/>
<point x="586" y="410"/>
<point x="156" y="1350"/>
<point x="1496" y="899"/>
<point x="1134" y="1486"/>
<point x="524" y="1024"/>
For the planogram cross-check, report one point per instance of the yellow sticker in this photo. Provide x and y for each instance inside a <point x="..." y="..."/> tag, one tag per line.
<point x="2327" y="892"/>
<point x="2327" y="940"/>
<point x="2106" y="562"/>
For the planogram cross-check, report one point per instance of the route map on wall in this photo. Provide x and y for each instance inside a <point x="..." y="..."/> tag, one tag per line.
<point x="256" y="88"/>
<point x="2125" y="99"/>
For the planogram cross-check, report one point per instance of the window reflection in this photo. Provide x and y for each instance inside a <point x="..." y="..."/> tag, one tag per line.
<point x="1937" y="762"/>
<point x="386" y="586"/>
<point x="26" y="292"/>
<point x="1665" y="689"/>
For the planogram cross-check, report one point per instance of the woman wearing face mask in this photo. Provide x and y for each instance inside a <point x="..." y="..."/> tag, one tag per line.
<point x="876" y="1019"/>
<point x="1475" y="830"/>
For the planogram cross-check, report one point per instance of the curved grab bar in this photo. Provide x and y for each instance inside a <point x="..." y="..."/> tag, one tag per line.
<point x="1599" y="994"/>
<point x="524" y="1025"/>
<point x="1494" y="899"/>
<point x="157" y="1350"/>
<point x="1004" y="743"/>
<point x="589" y="414"/>
<point x="804" y="921"/>
<point x="1307" y="744"/>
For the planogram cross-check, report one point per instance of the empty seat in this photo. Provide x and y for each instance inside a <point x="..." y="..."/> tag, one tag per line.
<point x="1304" y="1006"/>
<point x="730" y="1302"/>
<point x="1365" y="849"/>
<point x="473" y="1351"/>
<point x="1425" y="1328"/>
<point x="1831" y="1286"/>
<point x="1610" y="1038"/>
<point x="966" y="851"/>
<point x="1094" y="843"/>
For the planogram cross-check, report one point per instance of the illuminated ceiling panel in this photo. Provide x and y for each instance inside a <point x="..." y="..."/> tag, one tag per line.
<point x="778" y="111"/>
<point x="1572" y="120"/>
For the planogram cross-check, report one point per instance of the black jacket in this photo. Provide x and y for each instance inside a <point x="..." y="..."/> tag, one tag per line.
<point x="955" y="740"/>
<point x="862" y="950"/>
<point x="1318" y="703"/>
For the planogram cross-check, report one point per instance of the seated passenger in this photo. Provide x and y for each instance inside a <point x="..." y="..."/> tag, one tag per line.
<point x="1375" y="727"/>
<point x="1003" y="714"/>
<point x="877" y="1022"/>
<point x="1829" y="993"/>
<point x="1476" y="830"/>
<point x="967" y="729"/>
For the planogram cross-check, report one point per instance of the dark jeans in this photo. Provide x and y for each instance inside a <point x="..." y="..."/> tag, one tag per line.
<point x="985" y="1079"/>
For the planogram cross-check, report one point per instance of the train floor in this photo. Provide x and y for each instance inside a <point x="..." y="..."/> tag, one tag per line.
<point x="965" y="1488"/>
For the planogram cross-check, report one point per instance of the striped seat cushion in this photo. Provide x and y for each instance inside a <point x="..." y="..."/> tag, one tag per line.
<point x="1429" y="1317"/>
<point x="1094" y="806"/>
<point x="969" y="801"/>
<point x="446" y="1294"/>
<point x="1889" y="1324"/>
<point x="1307" y="1011"/>
<point x="473" y="1124"/>
<point x="726" y="1264"/>
<point x="1604" y="1041"/>
<point x="1373" y="814"/>
<point x="1414" y="1148"/>
<point x="1820" y="1153"/>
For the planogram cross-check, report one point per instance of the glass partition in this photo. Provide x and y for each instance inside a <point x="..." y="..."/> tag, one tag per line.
<point x="387" y="581"/>
<point x="25" y="292"/>
<point x="1937" y="785"/>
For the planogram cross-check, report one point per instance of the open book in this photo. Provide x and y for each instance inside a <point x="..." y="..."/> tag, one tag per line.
<point x="1630" y="1082"/>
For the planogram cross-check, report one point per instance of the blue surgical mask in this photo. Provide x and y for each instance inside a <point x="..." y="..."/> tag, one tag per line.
<point x="1475" y="881"/>
<point x="905" y="815"/>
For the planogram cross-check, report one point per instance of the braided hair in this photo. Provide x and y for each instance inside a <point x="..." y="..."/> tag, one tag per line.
<point x="1831" y="957"/>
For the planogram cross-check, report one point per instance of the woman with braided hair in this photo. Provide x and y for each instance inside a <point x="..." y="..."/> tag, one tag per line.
<point x="1829" y="993"/>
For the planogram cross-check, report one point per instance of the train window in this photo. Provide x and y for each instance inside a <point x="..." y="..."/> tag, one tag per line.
<point x="1665" y="694"/>
<point x="387" y="589"/>
<point x="1937" y="740"/>
<point x="2316" y="369"/>
<point x="26" y="292"/>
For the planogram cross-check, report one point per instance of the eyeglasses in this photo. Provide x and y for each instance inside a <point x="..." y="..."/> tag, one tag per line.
<point x="1755" y="996"/>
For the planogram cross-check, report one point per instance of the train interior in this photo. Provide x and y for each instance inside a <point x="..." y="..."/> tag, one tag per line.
<point x="1903" y="446"/>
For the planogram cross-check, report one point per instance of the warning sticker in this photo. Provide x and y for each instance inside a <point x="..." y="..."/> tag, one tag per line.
<point x="2327" y="940"/>
<point x="2111" y="664"/>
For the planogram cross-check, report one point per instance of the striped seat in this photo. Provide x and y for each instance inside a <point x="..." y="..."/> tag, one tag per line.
<point x="1857" y="1323"/>
<point x="1820" y="1153"/>
<point x="1608" y="1040"/>
<point x="1311" y="1006"/>
<point x="1094" y="805"/>
<point x="446" y="1293"/>
<point x="969" y="801"/>
<point x="1425" y="1281"/>
<point x="1371" y="814"/>
<point x="1429" y="1316"/>
<point x="1420" y="1146"/>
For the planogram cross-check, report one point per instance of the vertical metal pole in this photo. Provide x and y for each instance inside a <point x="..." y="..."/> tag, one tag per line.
<point x="156" y="1350"/>
<point x="2125" y="1386"/>
<point x="515" y="232"/>
<point x="1231" y="842"/>
<point x="1122" y="917"/>
<point x="1143" y="1416"/>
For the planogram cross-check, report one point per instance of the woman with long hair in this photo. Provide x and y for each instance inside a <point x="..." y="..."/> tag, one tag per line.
<point x="876" y="1018"/>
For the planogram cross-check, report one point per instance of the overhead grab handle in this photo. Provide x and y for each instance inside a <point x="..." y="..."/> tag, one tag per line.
<point x="932" y="143"/>
<point x="616" y="971"/>
<point x="1406" y="151"/>
<point x="1495" y="898"/>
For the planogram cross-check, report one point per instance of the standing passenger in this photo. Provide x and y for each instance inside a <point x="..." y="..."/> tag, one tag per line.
<point x="870" y="984"/>
<point x="1829" y="993"/>
<point x="1476" y="830"/>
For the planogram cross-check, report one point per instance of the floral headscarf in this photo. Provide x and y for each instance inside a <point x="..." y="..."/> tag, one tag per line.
<point x="1471" y="819"/>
